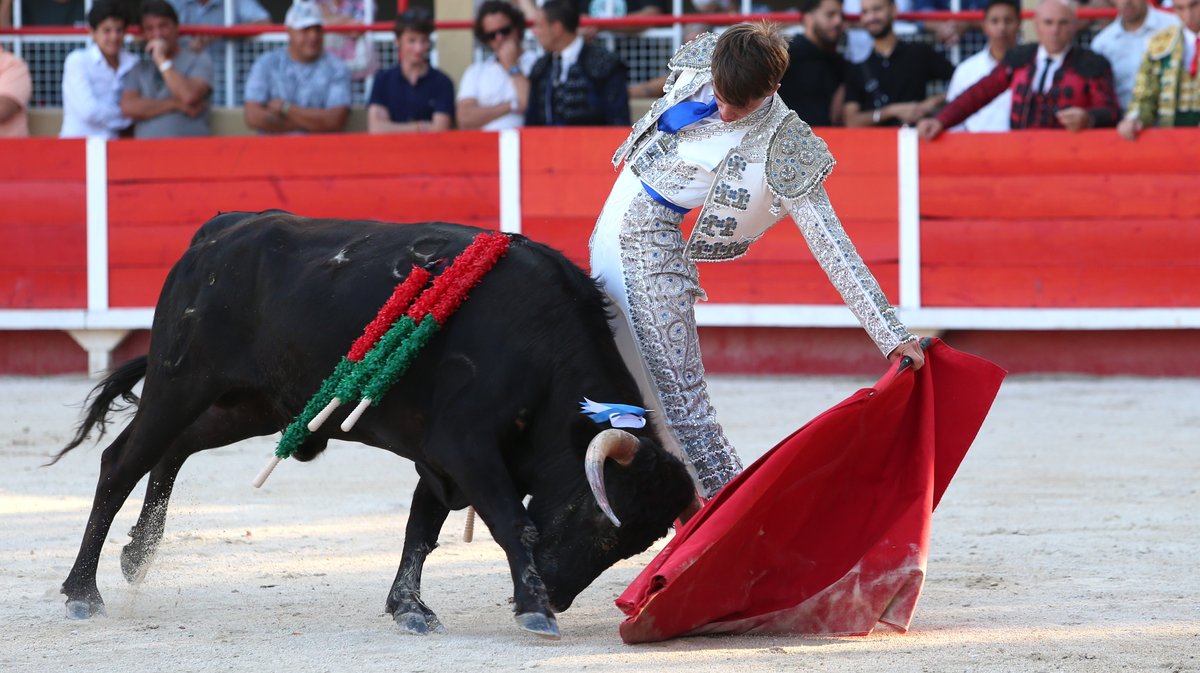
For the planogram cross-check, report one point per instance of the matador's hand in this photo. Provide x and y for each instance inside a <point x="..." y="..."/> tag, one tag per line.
<point x="913" y="350"/>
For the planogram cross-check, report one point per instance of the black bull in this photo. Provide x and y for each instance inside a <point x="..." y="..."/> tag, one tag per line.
<point x="262" y="306"/>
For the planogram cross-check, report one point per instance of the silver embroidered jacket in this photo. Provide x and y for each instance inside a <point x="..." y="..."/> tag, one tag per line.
<point x="778" y="163"/>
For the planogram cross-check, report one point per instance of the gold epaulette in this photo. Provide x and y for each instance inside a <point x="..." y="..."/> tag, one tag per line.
<point x="1163" y="43"/>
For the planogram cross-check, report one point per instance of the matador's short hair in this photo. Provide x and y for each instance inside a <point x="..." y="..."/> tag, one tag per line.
<point x="748" y="62"/>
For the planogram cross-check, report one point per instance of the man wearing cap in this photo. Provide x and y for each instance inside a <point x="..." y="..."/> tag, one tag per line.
<point x="299" y="89"/>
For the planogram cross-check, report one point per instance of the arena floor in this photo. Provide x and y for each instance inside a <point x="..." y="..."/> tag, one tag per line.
<point x="1067" y="542"/>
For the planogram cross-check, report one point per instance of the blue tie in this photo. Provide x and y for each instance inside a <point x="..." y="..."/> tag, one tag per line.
<point x="680" y="115"/>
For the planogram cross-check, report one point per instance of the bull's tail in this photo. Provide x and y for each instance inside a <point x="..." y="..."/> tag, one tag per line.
<point x="114" y="393"/>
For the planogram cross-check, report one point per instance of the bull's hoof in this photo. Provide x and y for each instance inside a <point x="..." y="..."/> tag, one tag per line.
<point x="418" y="624"/>
<point x="539" y="624"/>
<point x="135" y="561"/>
<point x="79" y="609"/>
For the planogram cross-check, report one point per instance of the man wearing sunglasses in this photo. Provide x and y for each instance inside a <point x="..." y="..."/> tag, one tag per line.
<point x="494" y="92"/>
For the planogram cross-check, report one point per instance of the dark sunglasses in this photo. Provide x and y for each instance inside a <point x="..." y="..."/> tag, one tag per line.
<point x="499" y="32"/>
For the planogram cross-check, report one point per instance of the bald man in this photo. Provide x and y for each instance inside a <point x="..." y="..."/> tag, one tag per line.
<point x="1054" y="85"/>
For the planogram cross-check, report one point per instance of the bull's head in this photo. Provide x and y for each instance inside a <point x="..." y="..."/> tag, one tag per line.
<point x="637" y="490"/>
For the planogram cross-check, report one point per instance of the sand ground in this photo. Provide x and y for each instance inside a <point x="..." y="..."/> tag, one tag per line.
<point x="1067" y="542"/>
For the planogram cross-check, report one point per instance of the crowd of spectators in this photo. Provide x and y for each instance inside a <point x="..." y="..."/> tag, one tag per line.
<point x="1139" y="71"/>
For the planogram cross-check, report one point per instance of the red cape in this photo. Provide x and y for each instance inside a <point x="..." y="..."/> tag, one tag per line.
<point x="828" y="533"/>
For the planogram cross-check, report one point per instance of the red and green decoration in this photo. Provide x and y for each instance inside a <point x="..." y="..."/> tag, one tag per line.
<point x="390" y="343"/>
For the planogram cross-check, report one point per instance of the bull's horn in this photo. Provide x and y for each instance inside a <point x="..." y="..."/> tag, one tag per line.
<point x="616" y="444"/>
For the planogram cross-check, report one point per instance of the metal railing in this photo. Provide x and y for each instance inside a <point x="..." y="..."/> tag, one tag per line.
<point x="45" y="49"/>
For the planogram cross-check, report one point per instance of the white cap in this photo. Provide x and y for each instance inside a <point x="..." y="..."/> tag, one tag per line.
<point x="303" y="14"/>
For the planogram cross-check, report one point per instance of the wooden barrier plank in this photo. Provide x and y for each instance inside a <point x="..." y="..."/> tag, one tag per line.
<point x="1049" y="152"/>
<point x="43" y="246"/>
<point x="468" y="199"/>
<point x="135" y="287"/>
<point x="158" y="246"/>
<point x="1162" y="243"/>
<point x="42" y="159"/>
<point x="43" y="203"/>
<point x="971" y="284"/>
<point x="305" y="156"/>
<point x="42" y="288"/>
<point x="1036" y="196"/>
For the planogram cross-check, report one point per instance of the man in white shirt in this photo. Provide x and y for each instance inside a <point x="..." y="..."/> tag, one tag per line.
<point x="91" y="82"/>
<point x="494" y="92"/>
<point x="1123" y="42"/>
<point x="1001" y="24"/>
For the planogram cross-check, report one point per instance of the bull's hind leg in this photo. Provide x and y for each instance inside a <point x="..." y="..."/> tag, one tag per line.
<point x="218" y="426"/>
<point x="158" y="422"/>
<point x="425" y="519"/>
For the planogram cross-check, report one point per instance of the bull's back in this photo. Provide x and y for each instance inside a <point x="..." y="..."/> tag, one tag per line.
<point x="286" y="293"/>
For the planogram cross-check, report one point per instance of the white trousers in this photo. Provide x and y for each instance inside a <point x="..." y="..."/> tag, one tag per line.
<point x="637" y="255"/>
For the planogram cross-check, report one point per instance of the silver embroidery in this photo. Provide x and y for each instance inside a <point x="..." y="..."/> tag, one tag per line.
<point x="734" y="197"/>
<point x="797" y="160"/>
<point x="835" y="253"/>
<point x="662" y="286"/>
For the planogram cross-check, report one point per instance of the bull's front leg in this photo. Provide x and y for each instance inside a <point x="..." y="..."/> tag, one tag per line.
<point x="425" y="519"/>
<point x="499" y="505"/>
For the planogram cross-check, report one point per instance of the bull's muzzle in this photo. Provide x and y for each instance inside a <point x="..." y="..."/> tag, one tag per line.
<point x="617" y="445"/>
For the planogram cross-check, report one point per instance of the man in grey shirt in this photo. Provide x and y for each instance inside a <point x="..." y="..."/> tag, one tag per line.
<point x="167" y="95"/>
<point x="299" y="89"/>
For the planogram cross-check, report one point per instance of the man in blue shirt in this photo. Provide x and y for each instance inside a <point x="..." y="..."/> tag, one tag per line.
<point x="299" y="88"/>
<point x="411" y="97"/>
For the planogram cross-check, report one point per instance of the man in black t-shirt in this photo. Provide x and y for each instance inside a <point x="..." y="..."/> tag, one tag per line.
<point x="890" y="88"/>
<point x="813" y="83"/>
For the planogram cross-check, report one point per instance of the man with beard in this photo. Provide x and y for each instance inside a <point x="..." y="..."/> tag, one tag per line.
<point x="891" y="87"/>
<point x="814" y="83"/>
<point x="299" y="88"/>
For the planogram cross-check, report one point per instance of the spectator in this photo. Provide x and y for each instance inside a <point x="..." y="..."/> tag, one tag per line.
<point x="167" y="96"/>
<point x="1167" y="92"/>
<point x="212" y="13"/>
<point x="299" y="88"/>
<point x="411" y="97"/>
<point x="353" y="49"/>
<point x="891" y="87"/>
<point x="653" y="88"/>
<point x="1053" y="84"/>
<point x="950" y="33"/>
<point x="43" y="13"/>
<point x="91" y="82"/>
<point x="493" y="94"/>
<point x="1123" y="42"/>
<point x="814" y="84"/>
<point x="1001" y="23"/>
<point x="16" y="88"/>
<point x="573" y="83"/>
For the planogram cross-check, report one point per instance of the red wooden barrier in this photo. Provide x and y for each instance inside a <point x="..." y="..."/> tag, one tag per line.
<point x="43" y="259"/>
<point x="161" y="191"/>
<point x="1046" y="218"/>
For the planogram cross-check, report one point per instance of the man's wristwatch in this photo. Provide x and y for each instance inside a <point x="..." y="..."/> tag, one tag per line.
<point x="514" y="70"/>
<point x="165" y="65"/>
